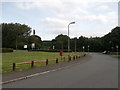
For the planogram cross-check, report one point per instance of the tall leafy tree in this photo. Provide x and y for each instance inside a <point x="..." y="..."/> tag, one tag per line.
<point x="13" y="35"/>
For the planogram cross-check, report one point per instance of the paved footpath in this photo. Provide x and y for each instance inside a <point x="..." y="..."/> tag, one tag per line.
<point x="94" y="71"/>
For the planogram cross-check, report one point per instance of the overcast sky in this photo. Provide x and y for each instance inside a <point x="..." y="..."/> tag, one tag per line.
<point x="51" y="17"/>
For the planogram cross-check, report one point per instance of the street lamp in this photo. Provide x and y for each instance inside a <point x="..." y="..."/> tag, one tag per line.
<point x="68" y="35"/>
<point x="69" y="40"/>
<point x="75" y="44"/>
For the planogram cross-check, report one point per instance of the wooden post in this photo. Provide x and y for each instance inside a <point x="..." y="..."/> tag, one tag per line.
<point x="70" y="58"/>
<point x="14" y="65"/>
<point x="76" y="57"/>
<point x="73" y="57"/>
<point x="64" y="59"/>
<point x="46" y="61"/>
<point x="32" y="64"/>
<point x="56" y="60"/>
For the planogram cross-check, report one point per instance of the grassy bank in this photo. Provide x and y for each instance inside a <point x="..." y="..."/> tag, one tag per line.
<point x="24" y="56"/>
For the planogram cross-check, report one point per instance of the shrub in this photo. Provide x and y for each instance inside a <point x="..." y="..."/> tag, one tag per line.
<point x="50" y="50"/>
<point x="6" y="50"/>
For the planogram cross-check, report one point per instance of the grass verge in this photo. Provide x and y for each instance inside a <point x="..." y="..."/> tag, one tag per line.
<point x="24" y="56"/>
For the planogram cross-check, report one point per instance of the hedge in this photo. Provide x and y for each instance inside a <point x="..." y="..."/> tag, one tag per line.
<point x="50" y="50"/>
<point x="6" y="50"/>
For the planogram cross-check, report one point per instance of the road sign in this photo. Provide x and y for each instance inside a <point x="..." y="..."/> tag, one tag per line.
<point x="25" y="46"/>
<point x="33" y="45"/>
<point x="53" y="47"/>
<point x="117" y="46"/>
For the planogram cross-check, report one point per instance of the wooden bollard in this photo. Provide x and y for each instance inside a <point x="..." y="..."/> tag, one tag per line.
<point x="70" y="58"/>
<point x="46" y="61"/>
<point x="14" y="65"/>
<point x="61" y="58"/>
<point x="56" y="60"/>
<point x="64" y="59"/>
<point x="32" y="64"/>
<point x="76" y="57"/>
<point x="73" y="57"/>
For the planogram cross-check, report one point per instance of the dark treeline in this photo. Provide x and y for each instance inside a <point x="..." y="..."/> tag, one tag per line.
<point x="17" y="35"/>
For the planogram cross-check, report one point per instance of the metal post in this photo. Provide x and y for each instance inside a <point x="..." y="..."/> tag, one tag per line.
<point x="88" y="48"/>
<point x="117" y="50"/>
<point x="69" y="39"/>
<point x="83" y="48"/>
<point x="75" y="45"/>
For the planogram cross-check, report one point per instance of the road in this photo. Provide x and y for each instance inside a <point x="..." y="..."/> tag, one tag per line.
<point x="99" y="71"/>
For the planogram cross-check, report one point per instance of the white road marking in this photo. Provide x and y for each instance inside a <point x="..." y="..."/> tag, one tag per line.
<point x="29" y="76"/>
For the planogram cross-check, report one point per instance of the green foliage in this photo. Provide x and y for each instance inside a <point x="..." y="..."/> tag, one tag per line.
<point x="49" y="50"/>
<point x="35" y="39"/>
<point x="112" y="39"/>
<point x="14" y="33"/>
<point x="6" y="50"/>
<point x="17" y="35"/>
<point x="60" y="42"/>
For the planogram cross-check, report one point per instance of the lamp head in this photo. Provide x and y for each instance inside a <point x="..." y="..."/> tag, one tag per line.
<point x="72" y="23"/>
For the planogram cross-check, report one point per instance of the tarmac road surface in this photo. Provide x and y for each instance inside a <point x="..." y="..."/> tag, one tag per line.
<point x="99" y="71"/>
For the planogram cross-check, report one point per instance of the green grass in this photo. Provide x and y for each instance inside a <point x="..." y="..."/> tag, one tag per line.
<point x="116" y="55"/>
<point x="23" y="56"/>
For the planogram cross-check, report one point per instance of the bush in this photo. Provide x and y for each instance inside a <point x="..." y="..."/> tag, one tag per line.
<point x="6" y="50"/>
<point x="49" y="50"/>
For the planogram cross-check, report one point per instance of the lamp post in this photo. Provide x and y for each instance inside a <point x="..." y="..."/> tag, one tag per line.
<point x="69" y="40"/>
<point x="68" y="35"/>
<point x="75" y="44"/>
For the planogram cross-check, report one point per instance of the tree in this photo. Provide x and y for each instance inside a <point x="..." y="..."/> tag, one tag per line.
<point x="13" y="35"/>
<point x="60" y="42"/>
<point x="35" y="39"/>
<point x="112" y="39"/>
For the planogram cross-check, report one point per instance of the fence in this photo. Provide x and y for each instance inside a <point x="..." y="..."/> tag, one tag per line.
<point x="32" y="63"/>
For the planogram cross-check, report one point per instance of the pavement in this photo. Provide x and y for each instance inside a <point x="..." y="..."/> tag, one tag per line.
<point x="93" y="71"/>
